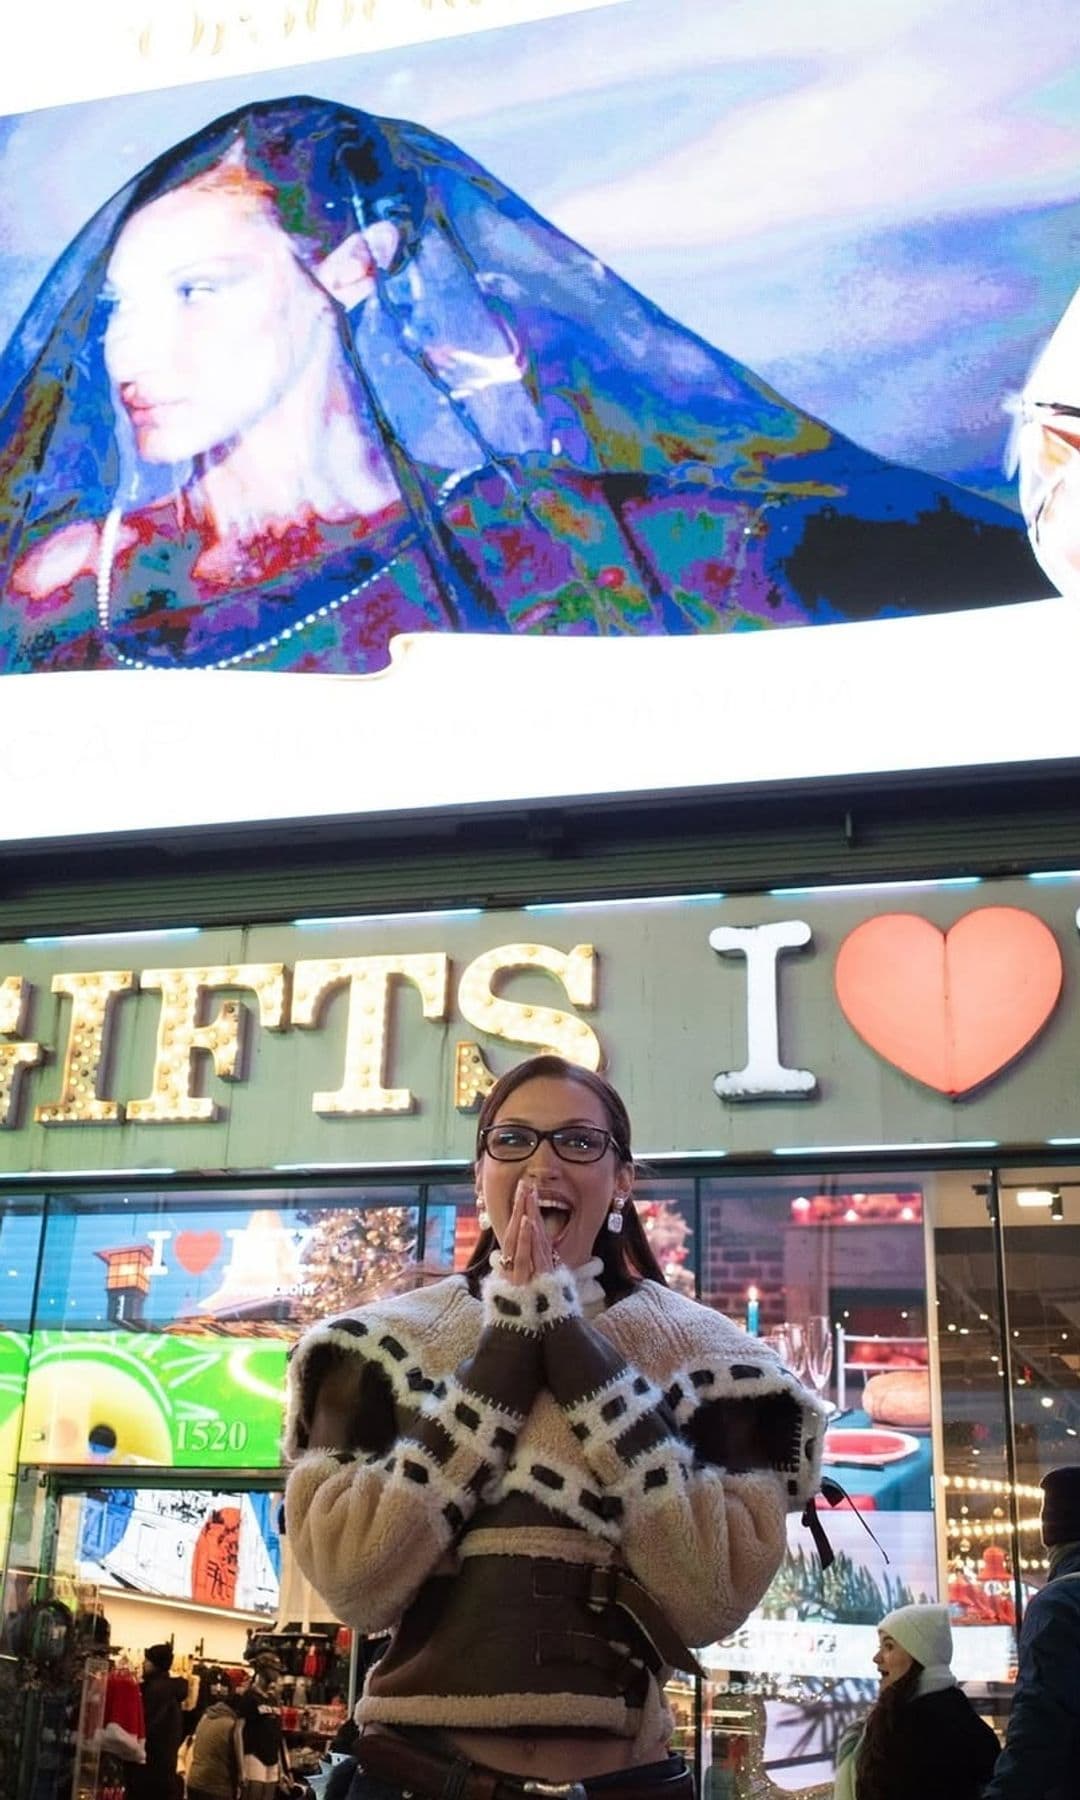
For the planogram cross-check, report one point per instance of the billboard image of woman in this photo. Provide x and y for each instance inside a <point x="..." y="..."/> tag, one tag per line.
<point x="316" y="378"/>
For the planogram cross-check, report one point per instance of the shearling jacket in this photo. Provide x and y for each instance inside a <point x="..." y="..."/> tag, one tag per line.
<point x="546" y="1509"/>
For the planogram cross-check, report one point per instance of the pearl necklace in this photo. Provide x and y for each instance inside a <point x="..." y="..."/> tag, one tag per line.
<point x="109" y="533"/>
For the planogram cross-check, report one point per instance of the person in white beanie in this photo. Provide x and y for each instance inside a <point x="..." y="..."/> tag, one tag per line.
<point x="922" y="1737"/>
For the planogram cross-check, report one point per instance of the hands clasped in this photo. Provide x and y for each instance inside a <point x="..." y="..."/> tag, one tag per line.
<point x="526" y="1249"/>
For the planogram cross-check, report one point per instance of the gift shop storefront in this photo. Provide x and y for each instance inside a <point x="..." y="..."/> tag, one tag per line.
<point x="855" y="1115"/>
<point x="481" y="563"/>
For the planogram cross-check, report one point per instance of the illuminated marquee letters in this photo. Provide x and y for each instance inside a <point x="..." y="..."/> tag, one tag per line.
<point x="172" y="1098"/>
<point x="363" y="1084"/>
<point x="93" y="999"/>
<point x="14" y="1057"/>
<point x="1013" y="969"/>
<point x="539" y="1027"/>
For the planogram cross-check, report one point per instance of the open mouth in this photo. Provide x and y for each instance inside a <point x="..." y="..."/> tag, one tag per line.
<point x="555" y="1216"/>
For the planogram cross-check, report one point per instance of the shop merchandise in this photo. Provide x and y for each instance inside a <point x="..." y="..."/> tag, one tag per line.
<point x="311" y="1684"/>
<point x="52" y="1684"/>
<point x="123" y="1725"/>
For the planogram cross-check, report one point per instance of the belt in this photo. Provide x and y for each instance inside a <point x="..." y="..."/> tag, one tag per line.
<point x="432" y="1775"/>
<point x="607" y="1585"/>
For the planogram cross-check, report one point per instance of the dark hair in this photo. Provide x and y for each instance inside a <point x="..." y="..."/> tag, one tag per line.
<point x="626" y="1257"/>
<point x="874" y="1758"/>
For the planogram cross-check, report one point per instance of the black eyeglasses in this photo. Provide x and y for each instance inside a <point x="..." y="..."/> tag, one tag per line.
<point x="571" y="1143"/>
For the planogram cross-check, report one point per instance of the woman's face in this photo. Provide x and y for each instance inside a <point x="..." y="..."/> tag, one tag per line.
<point x="212" y="321"/>
<point x="892" y="1660"/>
<point x="574" y="1197"/>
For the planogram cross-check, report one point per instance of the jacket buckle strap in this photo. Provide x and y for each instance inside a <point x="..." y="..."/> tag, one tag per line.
<point x="618" y="1588"/>
<point x="601" y="1587"/>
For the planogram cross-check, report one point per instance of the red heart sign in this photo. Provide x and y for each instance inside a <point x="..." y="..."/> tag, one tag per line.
<point x="950" y="1008"/>
<point x="196" y="1250"/>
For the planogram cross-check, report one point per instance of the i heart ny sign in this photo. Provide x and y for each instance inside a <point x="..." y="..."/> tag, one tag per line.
<point x="950" y="1008"/>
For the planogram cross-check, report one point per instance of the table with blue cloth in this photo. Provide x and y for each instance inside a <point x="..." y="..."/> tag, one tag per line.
<point x="901" y="1486"/>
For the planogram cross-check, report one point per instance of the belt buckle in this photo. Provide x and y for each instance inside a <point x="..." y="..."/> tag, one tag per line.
<point x="556" y="1790"/>
<point x="601" y="1587"/>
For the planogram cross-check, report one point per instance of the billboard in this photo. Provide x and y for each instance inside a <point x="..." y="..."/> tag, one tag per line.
<point x="518" y="383"/>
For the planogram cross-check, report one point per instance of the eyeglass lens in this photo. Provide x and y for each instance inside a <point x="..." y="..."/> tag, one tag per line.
<point x="571" y="1143"/>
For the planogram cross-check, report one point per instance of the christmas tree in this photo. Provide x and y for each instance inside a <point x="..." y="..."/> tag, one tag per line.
<point x="847" y="1592"/>
<point x="667" y="1232"/>
<point x="351" y="1255"/>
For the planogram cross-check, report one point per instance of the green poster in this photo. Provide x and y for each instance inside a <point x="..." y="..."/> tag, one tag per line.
<point x="14" y="1347"/>
<point x="111" y="1398"/>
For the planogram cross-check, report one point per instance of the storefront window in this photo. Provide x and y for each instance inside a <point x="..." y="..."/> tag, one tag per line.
<point x="151" y="1333"/>
<point x="1010" y="1385"/>
<point x="831" y="1271"/>
<point x="162" y="1325"/>
<point x="20" y="1249"/>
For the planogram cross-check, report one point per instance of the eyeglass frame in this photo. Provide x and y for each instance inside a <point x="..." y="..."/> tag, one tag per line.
<point x="611" y="1142"/>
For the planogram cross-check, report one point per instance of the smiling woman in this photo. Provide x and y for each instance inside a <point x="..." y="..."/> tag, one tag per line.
<point x="549" y="1476"/>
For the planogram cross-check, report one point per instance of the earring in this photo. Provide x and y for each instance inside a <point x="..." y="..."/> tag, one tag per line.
<point x="615" y="1218"/>
<point x="483" y="1217"/>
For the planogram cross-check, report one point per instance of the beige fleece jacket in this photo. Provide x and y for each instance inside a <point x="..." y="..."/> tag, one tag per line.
<point x="617" y="1427"/>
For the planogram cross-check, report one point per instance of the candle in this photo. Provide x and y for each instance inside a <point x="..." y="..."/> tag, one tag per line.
<point x="752" y="1311"/>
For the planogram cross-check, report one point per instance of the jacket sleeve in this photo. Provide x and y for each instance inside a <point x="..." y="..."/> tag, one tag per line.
<point x="1044" y="1724"/>
<point x="367" y="1526"/>
<point x="702" y="1476"/>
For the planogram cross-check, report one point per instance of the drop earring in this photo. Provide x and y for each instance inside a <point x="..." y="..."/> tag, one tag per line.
<point x="615" y="1218"/>
<point x="483" y="1217"/>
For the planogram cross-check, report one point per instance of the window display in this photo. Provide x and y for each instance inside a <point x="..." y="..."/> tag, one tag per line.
<point x="948" y="1400"/>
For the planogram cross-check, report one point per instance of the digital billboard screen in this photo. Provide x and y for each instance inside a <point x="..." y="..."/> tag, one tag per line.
<point x="500" y="388"/>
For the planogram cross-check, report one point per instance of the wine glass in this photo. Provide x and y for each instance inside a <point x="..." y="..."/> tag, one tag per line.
<point x="817" y="1339"/>
<point x="789" y="1343"/>
<point x="778" y="1340"/>
<point x="797" y="1340"/>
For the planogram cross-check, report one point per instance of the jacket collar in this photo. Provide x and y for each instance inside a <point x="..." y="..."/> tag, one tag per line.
<point x="1069" y="1563"/>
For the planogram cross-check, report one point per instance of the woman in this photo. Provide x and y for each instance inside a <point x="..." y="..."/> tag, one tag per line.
<point x="549" y="1476"/>
<point x="215" y="1768"/>
<point x="314" y="379"/>
<point x="922" y="1740"/>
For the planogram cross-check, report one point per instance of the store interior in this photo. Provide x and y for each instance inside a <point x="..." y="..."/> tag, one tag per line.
<point x="195" y="1569"/>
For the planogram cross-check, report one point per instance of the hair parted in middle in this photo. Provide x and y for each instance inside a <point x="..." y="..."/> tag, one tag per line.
<point x="627" y="1258"/>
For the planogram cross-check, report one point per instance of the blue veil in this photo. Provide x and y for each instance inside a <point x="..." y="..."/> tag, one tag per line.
<point x="499" y="361"/>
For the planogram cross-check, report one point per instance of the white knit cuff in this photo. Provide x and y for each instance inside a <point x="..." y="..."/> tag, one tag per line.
<point x="531" y="1306"/>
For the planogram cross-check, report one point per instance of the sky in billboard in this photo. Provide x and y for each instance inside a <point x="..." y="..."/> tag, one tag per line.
<point x="642" y="324"/>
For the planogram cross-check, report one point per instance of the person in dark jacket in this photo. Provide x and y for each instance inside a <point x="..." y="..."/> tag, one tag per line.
<point x="923" y="1739"/>
<point x="1041" y="1758"/>
<point x="215" y="1771"/>
<point x="162" y="1695"/>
